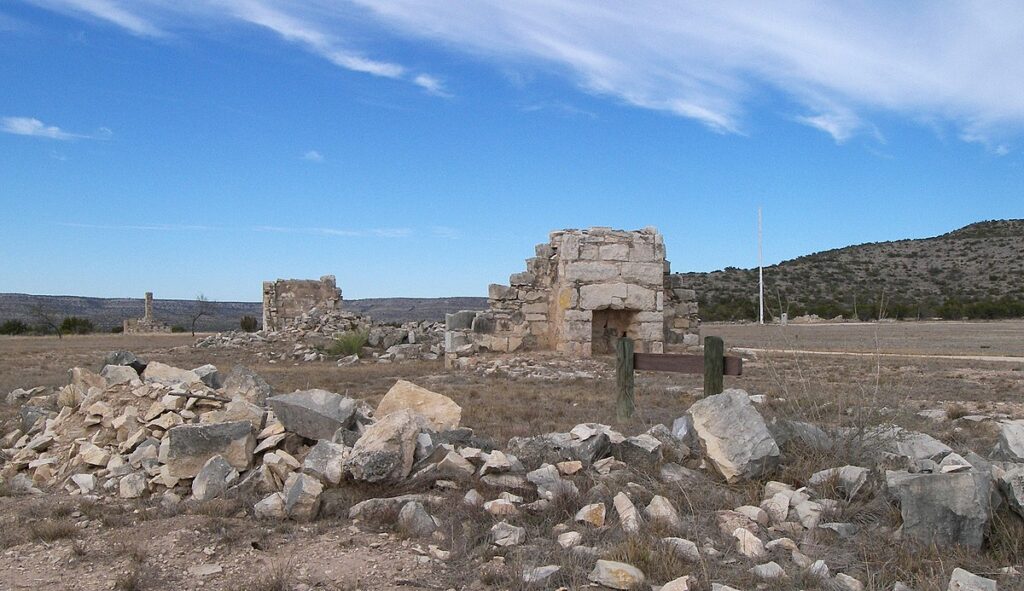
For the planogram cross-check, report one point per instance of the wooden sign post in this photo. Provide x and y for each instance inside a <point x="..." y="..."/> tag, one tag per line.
<point x="714" y="364"/>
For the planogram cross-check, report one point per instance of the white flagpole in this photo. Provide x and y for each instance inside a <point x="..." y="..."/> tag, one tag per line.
<point x="760" y="271"/>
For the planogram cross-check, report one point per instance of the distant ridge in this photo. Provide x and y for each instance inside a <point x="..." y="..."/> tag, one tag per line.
<point x="109" y="312"/>
<point x="976" y="271"/>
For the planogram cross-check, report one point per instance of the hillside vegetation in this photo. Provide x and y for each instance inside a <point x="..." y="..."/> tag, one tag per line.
<point x="974" y="272"/>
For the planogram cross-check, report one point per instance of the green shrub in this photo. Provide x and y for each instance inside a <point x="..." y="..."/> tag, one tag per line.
<point x="117" y="329"/>
<point x="13" y="327"/>
<point x="177" y="328"/>
<point x="349" y="343"/>
<point x="248" y="323"/>
<point x="76" y="325"/>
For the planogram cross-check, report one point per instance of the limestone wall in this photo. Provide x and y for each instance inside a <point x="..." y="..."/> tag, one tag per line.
<point x="285" y="300"/>
<point x="581" y="291"/>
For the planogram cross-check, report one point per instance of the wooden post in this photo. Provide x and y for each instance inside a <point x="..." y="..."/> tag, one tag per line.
<point x="714" y="365"/>
<point x="624" y="374"/>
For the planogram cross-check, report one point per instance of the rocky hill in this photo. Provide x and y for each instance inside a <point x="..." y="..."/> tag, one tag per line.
<point x="110" y="312"/>
<point x="976" y="271"/>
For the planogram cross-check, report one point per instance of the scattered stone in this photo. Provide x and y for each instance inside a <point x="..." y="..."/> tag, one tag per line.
<point x="768" y="571"/>
<point x="660" y="510"/>
<point x="849" y="479"/>
<point x="133" y="485"/>
<point x="734" y="435"/>
<point x="313" y="414"/>
<point x="962" y="580"/>
<point x="1010" y="445"/>
<point x="473" y="498"/>
<point x="167" y="375"/>
<point x="680" y="584"/>
<point x="441" y="412"/>
<point x="845" y="581"/>
<point x="686" y="549"/>
<point x="272" y="507"/>
<point x="944" y="509"/>
<point x="326" y="461"/>
<point x="592" y="514"/>
<point x="501" y="508"/>
<point x="819" y="569"/>
<point x="616" y="575"/>
<point x="504" y="534"/>
<point x="569" y="539"/>
<point x="302" y="496"/>
<point x="629" y="518"/>
<point x="540" y="574"/>
<point x="243" y="382"/>
<point x="748" y="544"/>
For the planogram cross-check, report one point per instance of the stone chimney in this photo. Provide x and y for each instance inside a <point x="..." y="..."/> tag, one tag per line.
<point x="149" y="307"/>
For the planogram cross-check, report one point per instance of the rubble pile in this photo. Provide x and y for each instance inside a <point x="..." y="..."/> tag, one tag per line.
<point x="151" y="430"/>
<point x="547" y="369"/>
<point x="309" y="337"/>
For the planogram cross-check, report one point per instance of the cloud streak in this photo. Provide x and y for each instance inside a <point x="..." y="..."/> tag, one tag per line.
<point x="313" y="156"/>
<point x="30" y="126"/>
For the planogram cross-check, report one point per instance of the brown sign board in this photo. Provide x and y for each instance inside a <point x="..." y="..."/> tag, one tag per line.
<point x="678" y="363"/>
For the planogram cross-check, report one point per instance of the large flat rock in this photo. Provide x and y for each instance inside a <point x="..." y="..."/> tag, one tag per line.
<point x="313" y="414"/>
<point x="440" y="411"/>
<point x="188" y="447"/>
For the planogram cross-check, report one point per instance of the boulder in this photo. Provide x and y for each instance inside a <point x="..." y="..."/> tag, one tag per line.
<point x="313" y="414"/>
<point x="734" y="435"/>
<point x="440" y="411"/>
<point x="386" y="450"/>
<point x="962" y="580"/>
<point x="126" y="358"/>
<point x="951" y="508"/>
<point x="553" y="448"/>
<point x="376" y="509"/>
<point x="188" y="447"/>
<point x="616" y="575"/>
<point x="1010" y="445"/>
<point x="326" y="461"/>
<point x="302" y="496"/>
<point x="414" y="521"/>
<point x="238" y="410"/>
<point x="243" y="382"/>
<point x="168" y="375"/>
<point x="120" y="374"/>
<point x="213" y="479"/>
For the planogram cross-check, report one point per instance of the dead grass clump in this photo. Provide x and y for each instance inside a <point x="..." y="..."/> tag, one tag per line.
<point x="129" y="580"/>
<point x="1006" y="539"/>
<point x="277" y="575"/>
<point x="657" y="559"/>
<point x="219" y="508"/>
<point x="956" y="411"/>
<point x="49" y="530"/>
<point x="136" y="551"/>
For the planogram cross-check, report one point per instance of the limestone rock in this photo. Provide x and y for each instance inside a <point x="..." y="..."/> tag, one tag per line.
<point x="849" y="479"/>
<point x="734" y="435"/>
<point x="569" y="539"/>
<point x="271" y="507"/>
<point x="188" y="447"/>
<point x="629" y="518"/>
<point x="533" y="576"/>
<point x="641" y="452"/>
<point x="440" y="411"/>
<point x="616" y="575"/>
<point x="133" y="485"/>
<point x="661" y="510"/>
<point x="592" y="514"/>
<point x="680" y="584"/>
<point x="686" y="549"/>
<point x="845" y="581"/>
<point x="952" y="508"/>
<point x="243" y="382"/>
<point x="1010" y="445"/>
<point x="326" y="461"/>
<point x="213" y="479"/>
<point x="209" y="375"/>
<point x="504" y="534"/>
<point x="313" y="414"/>
<point x="501" y="508"/>
<point x="120" y="374"/>
<point x="302" y="496"/>
<point x="167" y="375"/>
<point x="126" y="358"/>
<point x="386" y="450"/>
<point x="414" y="521"/>
<point x="962" y="580"/>
<point x="748" y="544"/>
<point x="768" y="571"/>
<point x="376" y="509"/>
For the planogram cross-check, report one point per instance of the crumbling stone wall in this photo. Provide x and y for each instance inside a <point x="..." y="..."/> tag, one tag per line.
<point x="146" y="324"/>
<point x="582" y="290"/>
<point x="285" y="300"/>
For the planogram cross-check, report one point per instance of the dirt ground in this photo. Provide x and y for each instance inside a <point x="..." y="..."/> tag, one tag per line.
<point x="62" y="543"/>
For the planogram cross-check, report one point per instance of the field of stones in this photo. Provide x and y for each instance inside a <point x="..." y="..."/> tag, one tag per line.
<point x="163" y="462"/>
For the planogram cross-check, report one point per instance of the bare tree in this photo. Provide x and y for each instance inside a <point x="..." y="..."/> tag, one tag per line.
<point x="47" y="318"/>
<point x="202" y="307"/>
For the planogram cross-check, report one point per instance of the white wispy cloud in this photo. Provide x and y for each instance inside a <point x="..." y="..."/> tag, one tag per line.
<point x="344" y="232"/>
<point x="836" y="65"/>
<point x="313" y="156"/>
<point x="33" y="127"/>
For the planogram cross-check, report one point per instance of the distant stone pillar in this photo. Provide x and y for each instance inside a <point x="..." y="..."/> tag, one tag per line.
<point x="149" y="307"/>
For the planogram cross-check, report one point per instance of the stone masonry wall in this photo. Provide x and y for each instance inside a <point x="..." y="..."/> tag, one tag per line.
<point x="146" y="324"/>
<point x="285" y="300"/>
<point x="581" y="291"/>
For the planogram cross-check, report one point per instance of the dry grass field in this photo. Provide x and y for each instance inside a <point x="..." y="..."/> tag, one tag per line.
<point x="40" y="550"/>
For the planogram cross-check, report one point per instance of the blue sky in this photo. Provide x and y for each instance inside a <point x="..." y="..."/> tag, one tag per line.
<point x="421" y="148"/>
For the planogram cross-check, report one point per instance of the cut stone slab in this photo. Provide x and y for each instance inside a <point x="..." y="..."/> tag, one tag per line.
<point x="962" y="580"/>
<point x="441" y="412"/>
<point x="386" y="450"/>
<point x="313" y="414"/>
<point x="734" y="435"/>
<point x="188" y="447"/>
<point x="616" y="575"/>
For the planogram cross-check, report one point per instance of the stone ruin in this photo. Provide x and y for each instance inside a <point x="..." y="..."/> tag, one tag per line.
<point x="287" y="300"/>
<point x="146" y="324"/>
<point x="582" y="291"/>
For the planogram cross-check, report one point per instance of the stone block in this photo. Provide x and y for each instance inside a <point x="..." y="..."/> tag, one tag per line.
<point x="525" y="278"/>
<point x="603" y="296"/>
<point x="614" y="252"/>
<point x="459" y="320"/>
<point x="313" y="414"/>
<point x="189" y="447"/>
<point x="497" y="291"/>
<point x="441" y="412"/>
<point x="591" y="271"/>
